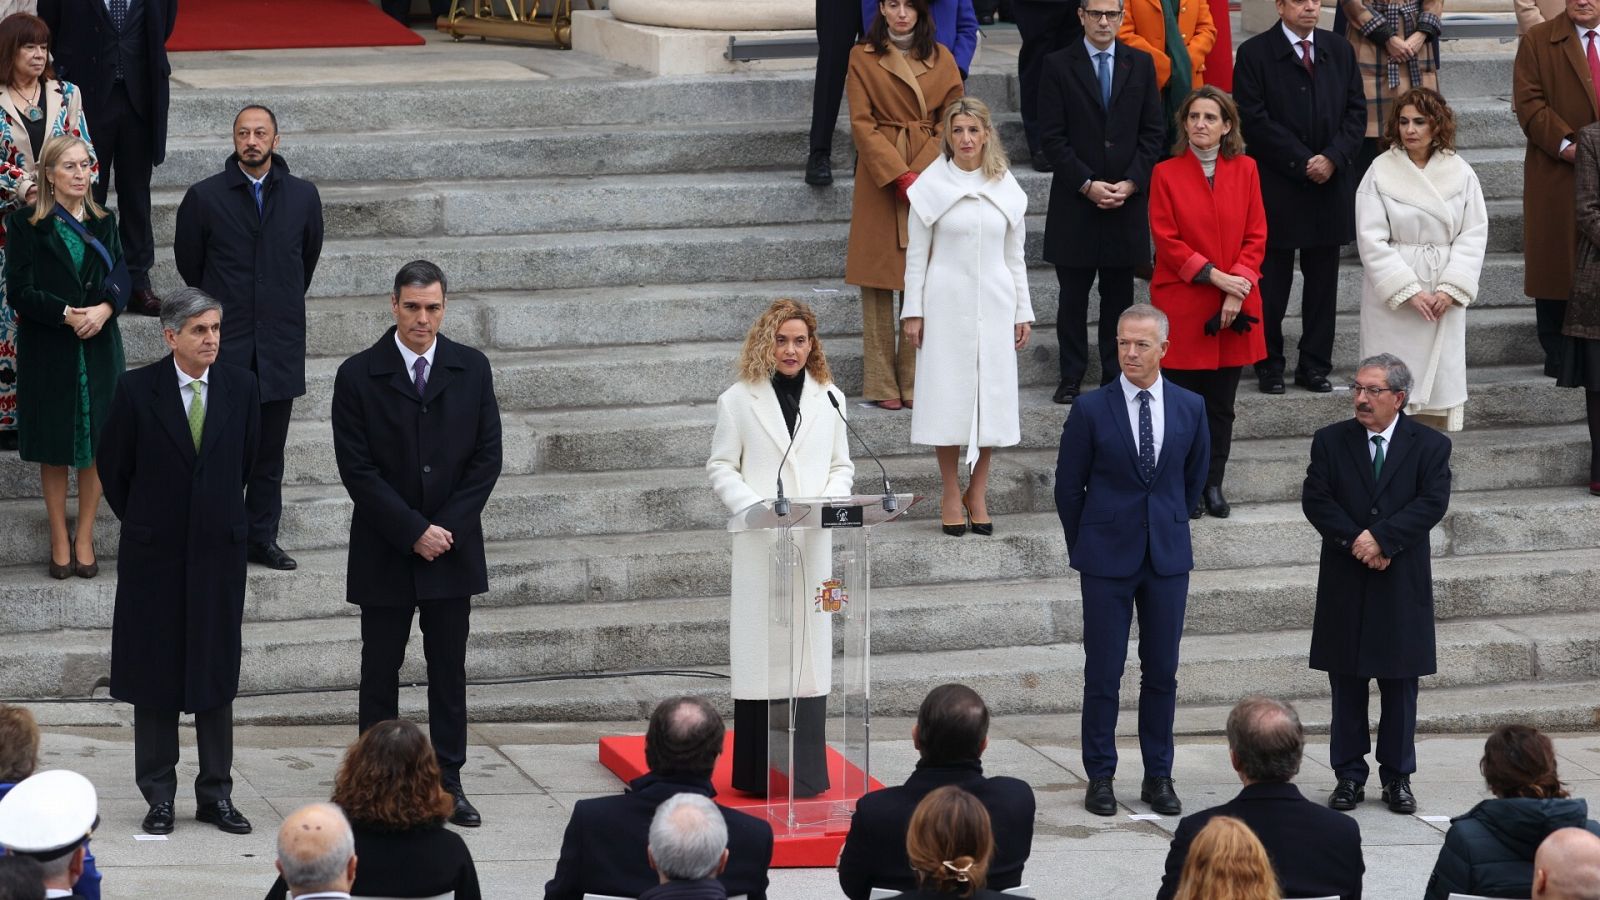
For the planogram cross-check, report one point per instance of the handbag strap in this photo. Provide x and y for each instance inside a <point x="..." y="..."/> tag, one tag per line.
<point x="91" y="240"/>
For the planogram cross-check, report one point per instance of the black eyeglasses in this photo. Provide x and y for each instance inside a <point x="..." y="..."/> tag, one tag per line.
<point x="1104" y="15"/>
<point x="1359" y="389"/>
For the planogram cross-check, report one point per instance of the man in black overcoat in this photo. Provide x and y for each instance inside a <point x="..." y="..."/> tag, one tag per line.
<point x="951" y="733"/>
<point x="1315" y="851"/>
<point x="416" y="432"/>
<point x="115" y="51"/>
<point x="1102" y="140"/>
<point x="603" y="849"/>
<point x="250" y="236"/>
<point x="1376" y="486"/>
<point x="1303" y="118"/>
<point x="174" y="474"/>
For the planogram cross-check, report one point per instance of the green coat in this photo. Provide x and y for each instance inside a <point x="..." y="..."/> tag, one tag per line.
<point x="40" y="283"/>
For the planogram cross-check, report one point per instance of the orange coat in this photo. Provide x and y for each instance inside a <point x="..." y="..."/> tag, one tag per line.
<point x="1194" y="223"/>
<point x="1144" y="26"/>
<point x="896" y="107"/>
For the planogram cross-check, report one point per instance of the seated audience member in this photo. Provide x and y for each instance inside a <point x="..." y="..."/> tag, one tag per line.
<point x="1227" y="862"/>
<point x="949" y="845"/>
<point x="317" y="853"/>
<point x="951" y="734"/>
<point x="19" y="756"/>
<point x="688" y="849"/>
<point x="388" y="787"/>
<point x="603" y="851"/>
<point x="1489" y="850"/>
<point x="1315" y="851"/>
<point x="48" y="817"/>
<point x="20" y="879"/>
<point x="1567" y="866"/>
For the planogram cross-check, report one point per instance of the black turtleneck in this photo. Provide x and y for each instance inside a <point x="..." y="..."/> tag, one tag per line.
<point x="788" y="388"/>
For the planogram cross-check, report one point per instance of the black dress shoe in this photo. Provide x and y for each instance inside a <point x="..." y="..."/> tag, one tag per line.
<point x="145" y="302"/>
<point x="272" y="556"/>
<point x="1215" y="503"/>
<point x="159" y="819"/>
<point x="819" y="168"/>
<point x="1041" y="163"/>
<point x="465" y="814"/>
<point x="224" y="816"/>
<point x="1099" y="798"/>
<point x="1199" y="510"/>
<point x="1316" y="384"/>
<point x="8" y="439"/>
<point x="1270" y="382"/>
<point x="1397" y="794"/>
<point x="1158" y="792"/>
<point x="1066" y="392"/>
<point x="1346" y="794"/>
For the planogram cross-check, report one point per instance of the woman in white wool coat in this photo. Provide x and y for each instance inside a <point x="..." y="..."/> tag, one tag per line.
<point x="781" y="396"/>
<point x="1421" y="228"/>
<point x="967" y="308"/>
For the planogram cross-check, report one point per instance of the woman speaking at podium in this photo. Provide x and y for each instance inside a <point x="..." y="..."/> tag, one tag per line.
<point x="779" y="414"/>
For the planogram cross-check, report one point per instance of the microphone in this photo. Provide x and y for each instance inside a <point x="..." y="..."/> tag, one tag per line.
<point x="780" y="506"/>
<point x="890" y="504"/>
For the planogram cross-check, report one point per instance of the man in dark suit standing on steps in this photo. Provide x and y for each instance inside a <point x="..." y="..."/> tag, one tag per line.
<point x="1376" y="486"/>
<point x="1132" y="464"/>
<point x="115" y="51"/>
<point x="416" y="433"/>
<point x="1316" y="852"/>
<point x="1100" y="127"/>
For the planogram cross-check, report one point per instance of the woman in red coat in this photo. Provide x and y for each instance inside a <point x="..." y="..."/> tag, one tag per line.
<point x="1210" y="234"/>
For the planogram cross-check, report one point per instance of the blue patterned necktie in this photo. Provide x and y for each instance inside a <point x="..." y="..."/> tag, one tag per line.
<point x="258" y="188"/>
<point x="1147" y="438"/>
<point x="420" y="367"/>
<point x="1104" y="72"/>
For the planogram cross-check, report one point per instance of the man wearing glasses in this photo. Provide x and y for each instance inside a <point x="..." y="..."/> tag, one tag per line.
<point x="1376" y="486"/>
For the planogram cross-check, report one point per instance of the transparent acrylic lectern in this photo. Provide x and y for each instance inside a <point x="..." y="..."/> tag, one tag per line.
<point x="819" y="645"/>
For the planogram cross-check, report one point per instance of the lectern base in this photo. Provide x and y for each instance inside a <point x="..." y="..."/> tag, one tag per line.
<point x="797" y="848"/>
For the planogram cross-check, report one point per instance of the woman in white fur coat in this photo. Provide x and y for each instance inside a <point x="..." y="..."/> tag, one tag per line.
<point x="1421" y="228"/>
<point x="967" y="308"/>
<point x="781" y="397"/>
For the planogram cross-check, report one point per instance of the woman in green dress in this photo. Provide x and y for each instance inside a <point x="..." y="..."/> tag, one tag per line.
<point x="69" y="349"/>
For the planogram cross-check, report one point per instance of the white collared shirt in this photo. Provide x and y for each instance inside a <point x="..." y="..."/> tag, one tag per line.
<point x="411" y="358"/>
<point x="322" y="895"/>
<point x="52" y="893"/>
<point x="1295" y="39"/>
<point x="1096" y="51"/>
<point x="185" y="394"/>
<point x="1388" y="440"/>
<point x="1158" y="414"/>
<point x="251" y="178"/>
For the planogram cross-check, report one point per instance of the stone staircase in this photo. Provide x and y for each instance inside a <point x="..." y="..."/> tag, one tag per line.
<point x="608" y="243"/>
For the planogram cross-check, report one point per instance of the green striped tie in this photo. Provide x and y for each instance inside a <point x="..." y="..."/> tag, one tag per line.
<point x="197" y="413"/>
<point x="1377" y="458"/>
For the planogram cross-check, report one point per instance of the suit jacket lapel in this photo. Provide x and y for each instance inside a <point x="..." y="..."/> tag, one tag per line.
<point x="170" y="407"/>
<point x="218" y="407"/>
<point x="764" y="402"/>
<point x="442" y="372"/>
<point x="1121" y="70"/>
<point x="812" y="405"/>
<point x="1082" y="65"/>
<point x="1394" y="454"/>
<point x="1361" y="456"/>
<point x="900" y="66"/>
<point x="1169" y="429"/>
<point x="1567" y="37"/>
<point x="1116" y="405"/>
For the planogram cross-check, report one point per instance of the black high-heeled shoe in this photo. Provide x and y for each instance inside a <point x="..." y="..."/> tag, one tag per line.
<point x="63" y="572"/>
<point x="959" y="528"/>
<point x="986" y="529"/>
<point x="84" y="571"/>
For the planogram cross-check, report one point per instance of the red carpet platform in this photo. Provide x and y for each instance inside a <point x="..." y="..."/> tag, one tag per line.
<point x="274" y="24"/>
<point x="805" y="847"/>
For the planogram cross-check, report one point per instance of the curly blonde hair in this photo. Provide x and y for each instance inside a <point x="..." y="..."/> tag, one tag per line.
<point x="1227" y="860"/>
<point x="759" y="358"/>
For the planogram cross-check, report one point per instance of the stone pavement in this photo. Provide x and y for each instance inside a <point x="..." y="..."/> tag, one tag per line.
<point x="525" y="778"/>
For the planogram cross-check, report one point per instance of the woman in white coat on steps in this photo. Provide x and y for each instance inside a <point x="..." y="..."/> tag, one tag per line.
<point x="781" y="398"/>
<point x="967" y="308"/>
<point x="1422" y="229"/>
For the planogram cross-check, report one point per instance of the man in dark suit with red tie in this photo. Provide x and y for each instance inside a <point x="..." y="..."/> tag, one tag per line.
<point x="1132" y="464"/>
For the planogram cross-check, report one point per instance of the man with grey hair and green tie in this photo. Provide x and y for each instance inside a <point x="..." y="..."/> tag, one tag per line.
<point x="688" y="849"/>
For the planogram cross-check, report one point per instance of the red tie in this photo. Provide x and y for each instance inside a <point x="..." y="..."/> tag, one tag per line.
<point x="1594" y="68"/>
<point x="1305" y="57"/>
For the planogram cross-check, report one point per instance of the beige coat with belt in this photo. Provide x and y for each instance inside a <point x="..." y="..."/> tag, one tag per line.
<point x="896" y="105"/>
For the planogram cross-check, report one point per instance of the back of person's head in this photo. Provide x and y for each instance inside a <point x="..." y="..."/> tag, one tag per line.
<point x="19" y="743"/>
<point x="1519" y="761"/>
<point x="950" y="842"/>
<point x="316" y="850"/>
<point x="1227" y="862"/>
<point x="1567" y="866"/>
<point x="389" y="779"/>
<point x="1265" y="739"/>
<point x="952" y="725"/>
<point x="20" y="879"/>
<point x="684" y="737"/>
<point x="688" y="838"/>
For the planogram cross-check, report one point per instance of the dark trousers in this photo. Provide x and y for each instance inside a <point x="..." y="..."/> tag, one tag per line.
<point x="445" y="626"/>
<point x="758" y="722"/>
<point x="1072" y="319"/>
<point x="263" y="495"/>
<point x="1218" y="387"/>
<point x="1108" y="608"/>
<point x="838" y="27"/>
<point x="1547" y="319"/>
<point x="155" y="754"/>
<point x="400" y="10"/>
<point x="1045" y="26"/>
<point x="1349" y="740"/>
<point x="1319" y="297"/>
<point x="122" y="145"/>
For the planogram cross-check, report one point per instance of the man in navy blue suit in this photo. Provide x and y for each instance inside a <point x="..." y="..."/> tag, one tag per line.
<point x="1132" y="464"/>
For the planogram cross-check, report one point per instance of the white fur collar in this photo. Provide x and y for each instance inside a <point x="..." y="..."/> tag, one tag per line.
<point x="1429" y="189"/>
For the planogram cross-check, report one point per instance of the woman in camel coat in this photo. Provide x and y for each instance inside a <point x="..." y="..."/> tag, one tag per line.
<point x="898" y="84"/>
